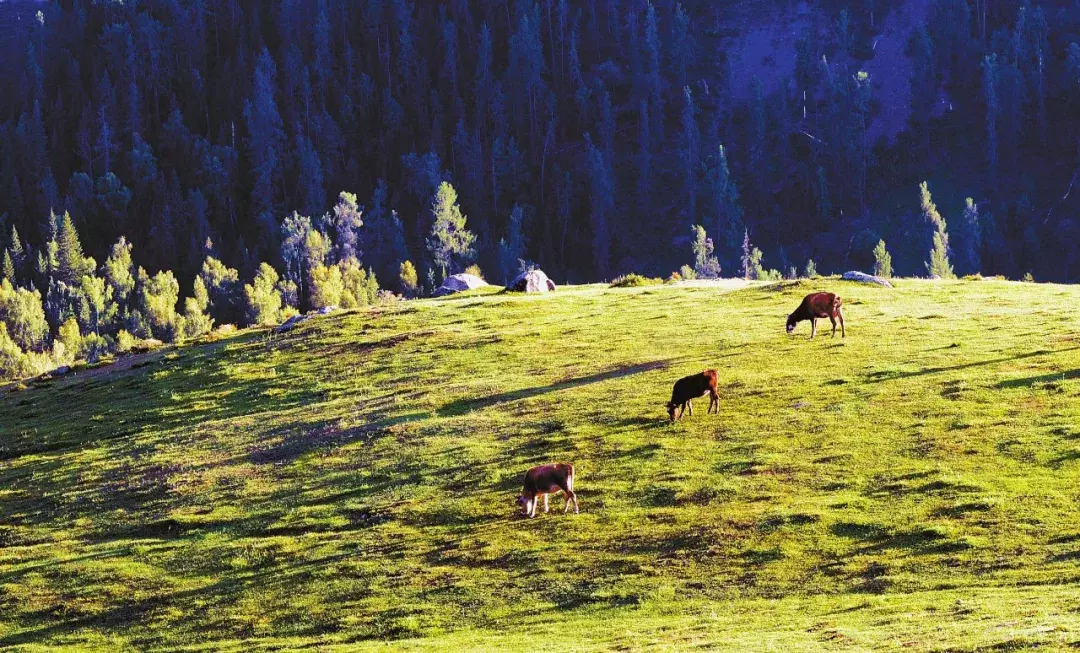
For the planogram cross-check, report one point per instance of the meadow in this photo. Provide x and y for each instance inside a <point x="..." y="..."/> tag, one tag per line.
<point x="350" y="484"/>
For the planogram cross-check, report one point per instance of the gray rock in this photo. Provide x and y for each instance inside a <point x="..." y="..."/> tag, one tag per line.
<point x="532" y="281"/>
<point x="63" y="369"/>
<point x="862" y="277"/>
<point x="291" y="323"/>
<point x="456" y="283"/>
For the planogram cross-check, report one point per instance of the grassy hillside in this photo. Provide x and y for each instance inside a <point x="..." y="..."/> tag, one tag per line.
<point x="913" y="487"/>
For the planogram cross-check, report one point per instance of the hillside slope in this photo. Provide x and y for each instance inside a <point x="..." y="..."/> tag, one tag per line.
<point x="912" y="487"/>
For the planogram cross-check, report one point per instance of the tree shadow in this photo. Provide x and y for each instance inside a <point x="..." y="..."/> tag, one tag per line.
<point x="464" y="406"/>
<point x="889" y="375"/>
<point x="1032" y="381"/>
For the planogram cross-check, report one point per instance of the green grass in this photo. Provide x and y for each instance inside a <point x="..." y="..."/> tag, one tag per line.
<point x="912" y="487"/>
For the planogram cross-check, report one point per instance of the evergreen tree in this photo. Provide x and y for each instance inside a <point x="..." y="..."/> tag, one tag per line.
<point x="7" y="271"/>
<point x="71" y="264"/>
<point x="688" y="153"/>
<point x="970" y="236"/>
<point x="682" y="45"/>
<point x="347" y="223"/>
<point x="449" y="243"/>
<point x="882" y="261"/>
<point x="938" y="264"/>
<point x="601" y="201"/>
<point x="705" y="264"/>
<point x="265" y="142"/>
<point x="512" y="247"/>
<point x="747" y="268"/>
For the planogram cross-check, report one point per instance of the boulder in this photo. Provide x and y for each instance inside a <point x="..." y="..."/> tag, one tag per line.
<point x="456" y="283"/>
<point x="862" y="277"/>
<point x="291" y="323"/>
<point x="532" y="281"/>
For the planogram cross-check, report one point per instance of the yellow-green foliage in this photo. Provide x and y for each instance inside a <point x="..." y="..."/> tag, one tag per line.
<point x="909" y="488"/>
<point x="68" y="342"/>
<point x="158" y="296"/>
<point x="410" y="284"/>
<point x="633" y="280"/>
<point x="22" y="312"/>
<point x="327" y="286"/>
<point x="263" y="298"/>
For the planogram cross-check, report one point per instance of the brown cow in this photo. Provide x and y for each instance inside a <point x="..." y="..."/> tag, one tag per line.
<point x="815" y="305"/>
<point x="544" y="480"/>
<point x="691" y="387"/>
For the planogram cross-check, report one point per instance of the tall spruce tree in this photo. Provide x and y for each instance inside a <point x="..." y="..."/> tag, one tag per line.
<point x="938" y="263"/>
<point x="449" y="242"/>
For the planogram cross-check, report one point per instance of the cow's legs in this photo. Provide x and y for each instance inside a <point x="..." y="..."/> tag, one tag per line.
<point x="813" y="327"/>
<point x="833" y="320"/>
<point x="545" y="503"/>
<point x="843" y="331"/>
<point x="570" y="496"/>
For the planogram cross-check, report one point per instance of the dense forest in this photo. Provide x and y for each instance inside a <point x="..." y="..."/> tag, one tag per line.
<point x="587" y="137"/>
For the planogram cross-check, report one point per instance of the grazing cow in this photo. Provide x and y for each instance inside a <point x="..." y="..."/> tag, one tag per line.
<point x="544" y="480"/>
<point x="815" y="305"/>
<point x="691" y="387"/>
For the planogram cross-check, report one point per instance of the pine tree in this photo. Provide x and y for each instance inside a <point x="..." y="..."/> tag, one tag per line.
<point x="449" y="243"/>
<point x="970" y="236"/>
<point x="347" y="223"/>
<point x="71" y="264"/>
<point x="8" y="270"/>
<point x="939" y="264"/>
<point x="746" y="255"/>
<point x="705" y="264"/>
<point x="601" y="202"/>
<point x="682" y="45"/>
<point x="688" y="153"/>
<point x="882" y="261"/>
<point x="265" y="140"/>
<point x="512" y="247"/>
<point x="18" y="257"/>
